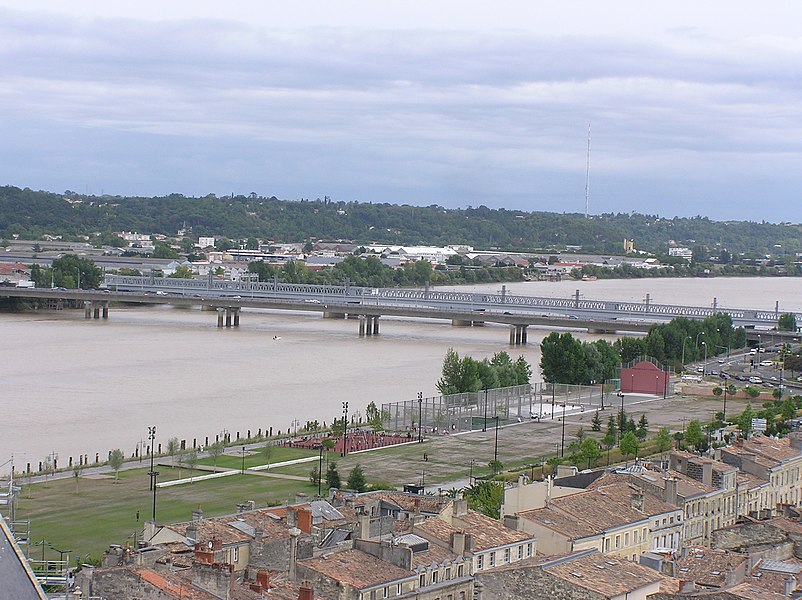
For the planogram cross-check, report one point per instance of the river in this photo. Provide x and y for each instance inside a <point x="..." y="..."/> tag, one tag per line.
<point x="72" y="386"/>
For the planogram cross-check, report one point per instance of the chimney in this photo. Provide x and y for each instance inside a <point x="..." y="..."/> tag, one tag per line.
<point x="258" y="534"/>
<point x="707" y="473"/>
<point x="460" y="507"/>
<point x="263" y="579"/>
<point x="458" y="542"/>
<point x="468" y="542"/>
<point x="790" y="586"/>
<point x="364" y="527"/>
<point x="192" y="531"/>
<point x="671" y="490"/>
<point x="197" y="514"/>
<point x="795" y="437"/>
<point x="636" y="500"/>
<point x="304" y="520"/>
<point x="306" y="592"/>
<point x="294" y="533"/>
<point x="292" y="517"/>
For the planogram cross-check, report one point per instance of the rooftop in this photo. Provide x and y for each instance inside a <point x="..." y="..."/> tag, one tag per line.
<point x="356" y="568"/>
<point x="486" y="532"/>
<point x="708" y="567"/>
<point x="603" y="574"/>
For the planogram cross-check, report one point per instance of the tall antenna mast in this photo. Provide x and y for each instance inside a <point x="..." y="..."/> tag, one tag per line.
<point x="587" y="176"/>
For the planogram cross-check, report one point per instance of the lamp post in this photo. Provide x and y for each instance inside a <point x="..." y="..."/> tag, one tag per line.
<point x="470" y="476"/>
<point x="153" y="473"/>
<point x="683" y="351"/>
<point x="320" y="471"/>
<point x="621" y="415"/>
<point x="704" y="364"/>
<point x="242" y="471"/>
<point x="696" y="343"/>
<point x="484" y="423"/>
<point x="495" y="447"/>
<point x="345" y="429"/>
<point x="151" y="437"/>
<point x="562" y="443"/>
<point x="420" y="417"/>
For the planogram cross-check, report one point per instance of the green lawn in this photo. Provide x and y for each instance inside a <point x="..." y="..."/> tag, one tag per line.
<point x="258" y="458"/>
<point x="87" y="517"/>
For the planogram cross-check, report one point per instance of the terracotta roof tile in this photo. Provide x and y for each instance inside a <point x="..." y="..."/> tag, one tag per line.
<point x="356" y="568"/>
<point x="605" y="575"/>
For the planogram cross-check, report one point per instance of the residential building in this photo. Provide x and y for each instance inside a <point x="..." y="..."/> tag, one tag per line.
<point x="487" y="542"/>
<point x="583" y="575"/>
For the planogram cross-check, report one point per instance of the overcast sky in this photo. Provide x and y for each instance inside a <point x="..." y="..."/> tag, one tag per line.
<point x="695" y="107"/>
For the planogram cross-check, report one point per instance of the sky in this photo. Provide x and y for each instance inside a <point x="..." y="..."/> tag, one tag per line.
<point x="694" y="108"/>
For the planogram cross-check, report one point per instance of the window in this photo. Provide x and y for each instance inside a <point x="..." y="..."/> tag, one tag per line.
<point x="448" y="572"/>
<point x="373" y="595"/>
<point x="460" y="571"/>
<point x="492" y="559"/>
<point x="235" y="554"/>
<point x="506" y="556"/>
<point x="386" y="593"/>
<point x="626" y="539"/>
<point x="434" y="576"/>
<point x="398" y="590"/>
<point x="617" y="542"/>
<point x="529" y="549"/>
<point x="422" y="581"/>
<point x="607" y="545"/>
<point x="481" y="562"/>
<point x="520" y="552"/>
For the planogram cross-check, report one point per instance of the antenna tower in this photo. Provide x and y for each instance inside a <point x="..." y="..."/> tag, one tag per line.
<point x="587" y="176"/>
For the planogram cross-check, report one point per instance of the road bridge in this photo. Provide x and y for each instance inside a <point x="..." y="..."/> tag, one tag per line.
<point x="367" y="305"/>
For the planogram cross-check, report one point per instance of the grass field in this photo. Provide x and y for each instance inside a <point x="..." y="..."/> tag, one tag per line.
<point x="257" y="458"/>
<point x="86" y="516"/>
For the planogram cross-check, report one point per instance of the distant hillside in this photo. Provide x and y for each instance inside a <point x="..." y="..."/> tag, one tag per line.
<point x="32" y="214"/>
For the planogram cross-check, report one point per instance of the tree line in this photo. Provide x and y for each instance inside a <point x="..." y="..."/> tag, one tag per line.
<point x="30" y="214"/>
<point x="564" y="359"/>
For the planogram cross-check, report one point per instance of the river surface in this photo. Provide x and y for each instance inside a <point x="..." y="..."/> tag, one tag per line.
<point x="71" y="386"/>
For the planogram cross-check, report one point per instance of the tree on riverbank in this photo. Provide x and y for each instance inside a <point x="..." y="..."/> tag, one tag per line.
<point x="116" y="459"/>
<point x="470" y="375"/>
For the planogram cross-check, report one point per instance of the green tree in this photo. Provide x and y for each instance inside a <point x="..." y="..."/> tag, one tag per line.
<point x="629" y="445"/>
<point x="182" y="272"/>
<point x="215" y="450"/>
<point x="663" y="440"/>
<point x="190" y="460"/>
<point x="116" y="459"/>
<point x="694" y="435"/>
<point x="788" y="409"/>
<point x="787" y="322"/>
<point x="744" y="420"/>
<point x="562" y="359"/>
<point x="332" y="476"/>
<point x="485" y="497"/>
<point x="643" y="428"/>
<point x="589" y="450"/>
<point x="162" y="250"/>
<point x="173" y="446"/>
<point x="71" y="271"/>
<point x="314" y="476"/>
<point x="596" y="424"/>
<point x="496" y="466"/>
<point x="356" y="479"/>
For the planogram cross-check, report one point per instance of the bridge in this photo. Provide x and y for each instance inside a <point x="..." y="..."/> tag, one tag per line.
<point x="367" y="305"/>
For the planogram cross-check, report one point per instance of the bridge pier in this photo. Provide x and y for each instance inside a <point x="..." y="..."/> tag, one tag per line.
<point x="95" y="310"/>
<point x="220" y="317"/>
<point x="87" y="309"/>
<point x="333" y="315"/>
<point x="105" y="310"/>
<point x="518" y="335"/>
<point x="368" y="325"/>
<point x="236" y="317"/>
